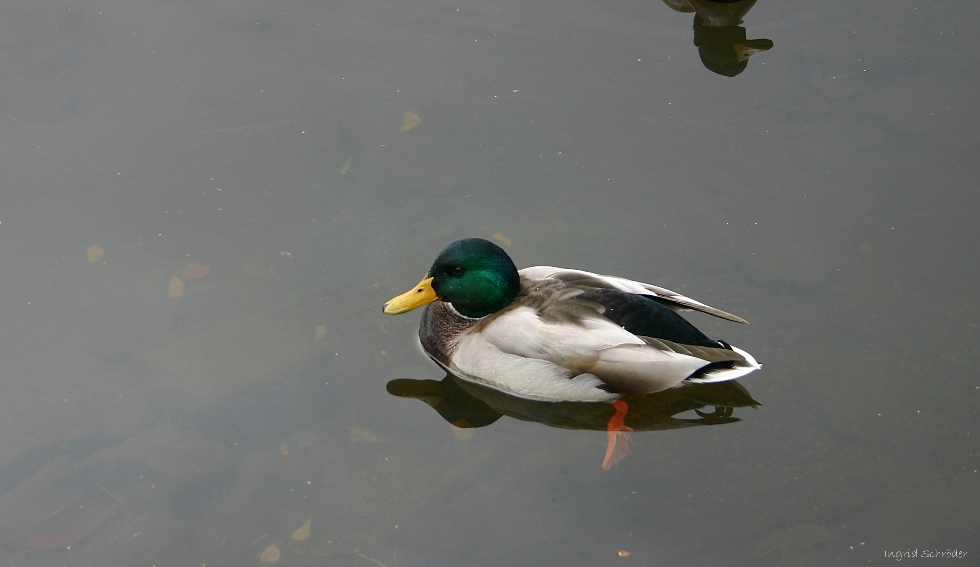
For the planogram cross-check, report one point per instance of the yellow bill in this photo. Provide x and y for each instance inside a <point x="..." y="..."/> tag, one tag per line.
<point x="415" y="297"/>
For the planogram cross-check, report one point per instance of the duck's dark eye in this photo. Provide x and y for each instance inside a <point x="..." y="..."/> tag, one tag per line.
<point x="457" y="271"/>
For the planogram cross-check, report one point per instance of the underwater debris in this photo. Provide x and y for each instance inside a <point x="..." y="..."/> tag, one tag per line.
<point x="303" y="531"/>
<point x="195" y="271"/>
<point x="70" y="524"/>
<point x="95" y="254"/>
<point x="364" y="436"/>
<point x="270" y="555"/>
<point x="176" y="288"/>
<point x="411" y="120"/>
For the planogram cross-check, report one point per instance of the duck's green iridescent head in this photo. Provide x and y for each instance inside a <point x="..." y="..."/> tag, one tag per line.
<point x="474" y="275"/>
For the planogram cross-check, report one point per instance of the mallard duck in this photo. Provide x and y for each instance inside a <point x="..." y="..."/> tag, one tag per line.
<point x="561" y="335"/>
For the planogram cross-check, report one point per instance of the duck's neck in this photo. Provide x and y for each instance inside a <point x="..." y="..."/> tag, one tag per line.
<point x="440" y="328"/>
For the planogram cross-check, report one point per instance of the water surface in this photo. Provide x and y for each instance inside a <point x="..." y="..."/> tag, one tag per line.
<point x="826" y="192"/>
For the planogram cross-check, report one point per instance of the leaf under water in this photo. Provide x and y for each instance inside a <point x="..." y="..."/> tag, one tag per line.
<point x="410" y="120"/>
<point x="303" y="531"/>
<point x="270" y="555"/>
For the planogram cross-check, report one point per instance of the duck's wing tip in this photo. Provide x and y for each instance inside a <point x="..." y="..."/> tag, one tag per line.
<point x="669" y="298"/>
<point x="677" y="301"/>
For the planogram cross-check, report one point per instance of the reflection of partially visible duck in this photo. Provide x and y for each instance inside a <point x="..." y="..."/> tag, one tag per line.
<point x="561" y="335"/>
<point x="722" y="42"/>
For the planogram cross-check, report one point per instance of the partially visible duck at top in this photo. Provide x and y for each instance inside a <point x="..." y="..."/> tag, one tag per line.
<point x="557" y="334"/>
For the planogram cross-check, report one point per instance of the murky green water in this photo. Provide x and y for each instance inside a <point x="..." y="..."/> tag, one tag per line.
<point x="823" y="188"/>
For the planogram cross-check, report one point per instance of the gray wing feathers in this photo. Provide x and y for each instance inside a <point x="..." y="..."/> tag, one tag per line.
<point x="580" y="277"/>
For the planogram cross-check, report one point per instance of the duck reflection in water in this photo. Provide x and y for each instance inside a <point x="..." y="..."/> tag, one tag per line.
<point x="467" y="404"/>
<point x="721" y="41"/>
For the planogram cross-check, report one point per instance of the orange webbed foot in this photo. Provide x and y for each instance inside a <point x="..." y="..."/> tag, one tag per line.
<point x="618" y="442"/>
